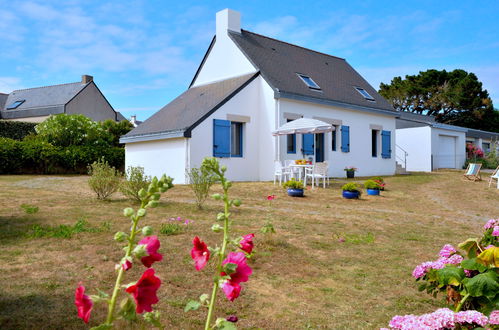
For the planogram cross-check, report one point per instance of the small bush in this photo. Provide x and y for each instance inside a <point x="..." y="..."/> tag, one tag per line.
<point x="371" y="184"/>
<point x="16" y="130"/>
<point x="63" y="231"/>
<point x="200" y="183"/>
<point x="104" y="180"/>
<point x="135" y="179"/>
<point x="29" y="209"/>
<point x="351" y="187"/>
<point x="171" y="229"/>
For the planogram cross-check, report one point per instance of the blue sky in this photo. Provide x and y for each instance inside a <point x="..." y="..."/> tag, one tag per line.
<point x="143" y="54"/>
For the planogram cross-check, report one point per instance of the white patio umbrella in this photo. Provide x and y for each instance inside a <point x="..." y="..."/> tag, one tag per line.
<point x="302" y="126"/>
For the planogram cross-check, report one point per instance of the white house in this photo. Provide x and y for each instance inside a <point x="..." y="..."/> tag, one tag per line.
<point x="248" y="85"/>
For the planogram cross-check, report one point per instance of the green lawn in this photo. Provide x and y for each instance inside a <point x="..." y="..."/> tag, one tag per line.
<point x="304" y="277"/>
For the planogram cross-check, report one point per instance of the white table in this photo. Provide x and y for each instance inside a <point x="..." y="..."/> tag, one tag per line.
<point x="301" y="169"/>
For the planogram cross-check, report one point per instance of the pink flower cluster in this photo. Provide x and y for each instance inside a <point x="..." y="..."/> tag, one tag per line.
<point x="179" y="219"/>
<point x="494" y="318"/>
<point x="491" y="224"/>
<point x="447" y="257"/>
<point x="442" y="318"/>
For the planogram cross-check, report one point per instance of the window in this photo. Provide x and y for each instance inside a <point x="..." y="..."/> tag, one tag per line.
<point x="309" y="82"/>
<point x="374" y="143"/>
<point x="236" y="139"/>
<point x="365" y="94"/>
<point x="15" y="104"/>
<point x="291" y="139"/>
<point x="486" y="146"/>
<point x="334" y="135"/>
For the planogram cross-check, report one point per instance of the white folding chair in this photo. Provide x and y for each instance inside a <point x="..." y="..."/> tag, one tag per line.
<point x="280" y="171"/>
<point x="494" y="176"/>
<point x="317" y="172"/>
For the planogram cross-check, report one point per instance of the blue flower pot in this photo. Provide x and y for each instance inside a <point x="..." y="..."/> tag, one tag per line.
<point x="351" y="194"/>
<point x="350" y="174"/>
<point x="295" y="192"/>
<point x="373" y="192"/>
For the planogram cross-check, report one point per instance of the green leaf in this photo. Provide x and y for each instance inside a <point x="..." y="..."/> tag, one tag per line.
<point x="472" y="264"/>
<point x="127" y="310"/>
<point x="192" y="306"/>
<point x="422" y="287"/>
<point x="485" y="284"/>
<point x="450" y="275"/>
<point x="489" y="257"/>
<point x="223" y="324"/>
<point x="470" y="246"/>
<point x="102" y="327"/>
<point x="153" y="318"/>
<point x="229" y="268"/>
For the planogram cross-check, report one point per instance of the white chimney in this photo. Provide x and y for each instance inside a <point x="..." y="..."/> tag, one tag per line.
<point x="228" y="20"/>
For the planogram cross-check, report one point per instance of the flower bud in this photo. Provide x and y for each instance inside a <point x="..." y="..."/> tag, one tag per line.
<point x="220" y="216"/>
<point x="217" y="197"/>
<point x="223" y="168"/>
<point x="120" y="236"/>
<point x="147" y="230"/>
<point x="142" y="193"/>
<point x="236" y="202"/>
<point x="155" y="196"/>
<point x="140" y="251"/>
<point x="141" y="212"/>
<point x="217" y="228"/>
<point x="204" y="298"/>
<point x="152" y="204"/>
<point x="128" y="212"/>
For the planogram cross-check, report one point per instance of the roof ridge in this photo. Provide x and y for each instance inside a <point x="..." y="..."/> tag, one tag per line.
<point x="297" y="46"/>
<point x="25" y="89"/>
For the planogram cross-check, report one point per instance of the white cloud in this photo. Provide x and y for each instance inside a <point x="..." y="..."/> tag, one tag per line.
<point x="8" y="84"/>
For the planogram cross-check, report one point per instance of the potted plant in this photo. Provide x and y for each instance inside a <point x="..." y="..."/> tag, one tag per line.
<point x="351" y="190"/>
<point x="379" y="180"/>
<point x="350" y="171"/>
<point x="295" y="188"/>
<point x="372" y="187"/>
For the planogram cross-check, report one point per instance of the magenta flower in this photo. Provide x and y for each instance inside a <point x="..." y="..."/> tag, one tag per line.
<point x="490" y="224"/>
<point x="447" y="251"/>
<point x="83" y="303"/>
<point x="243" y="271"/>
<point x="232" y="318"/>
<point x="495" y="232"/>
<point x="199" y="253"/>
<point x="471" y="317"/>
<point x="126" y="265"/>
<point x="246" y="244"/>
<point x="494" y="317"/>
<point x="270" y="197"/>
<point x="144" y="291"/>
<point x="231" y="290"/>
<point x="152" y="245"/>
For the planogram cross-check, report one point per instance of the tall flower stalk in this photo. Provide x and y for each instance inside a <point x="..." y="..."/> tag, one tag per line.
<point x="231" y="268"/>
<point x="144" y="290"/>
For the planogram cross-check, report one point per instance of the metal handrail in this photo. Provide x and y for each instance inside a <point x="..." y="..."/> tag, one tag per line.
<point x="404" y="160"/>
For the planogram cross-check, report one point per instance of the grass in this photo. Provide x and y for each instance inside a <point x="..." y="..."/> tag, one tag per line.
<point x="304" y="276"/>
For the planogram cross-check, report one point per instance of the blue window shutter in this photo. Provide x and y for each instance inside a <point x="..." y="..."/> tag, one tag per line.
<point x="221" y="138"/>
<point x="386" y="147"/>
<point x="308" y="144"/>
<point x="345" y="138"/>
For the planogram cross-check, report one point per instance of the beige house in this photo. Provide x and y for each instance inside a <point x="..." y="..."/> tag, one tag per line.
<point x="37" y="104"/>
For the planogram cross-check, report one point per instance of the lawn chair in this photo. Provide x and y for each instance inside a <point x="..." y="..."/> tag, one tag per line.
<point x="319" y="171"/>
<point x="473" y="172"/>
<point x="294" y="172"/>
<point x="280" y="171"/>
<point x="495" y="175"/>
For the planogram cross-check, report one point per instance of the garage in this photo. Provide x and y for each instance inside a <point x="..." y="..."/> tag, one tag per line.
<point x="446" y="156"/>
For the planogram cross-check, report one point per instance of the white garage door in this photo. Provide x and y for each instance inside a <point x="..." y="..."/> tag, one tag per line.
<point x="446" y="157"/>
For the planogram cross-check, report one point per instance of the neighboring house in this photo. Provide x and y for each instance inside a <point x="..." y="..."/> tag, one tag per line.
<point x="37" y="104"/>
<point x="248" y="85"/>
<point x="483" y="139"/>
<point x="133" y="120"/>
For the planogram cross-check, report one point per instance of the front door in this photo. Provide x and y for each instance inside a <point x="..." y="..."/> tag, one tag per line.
<point x="319" y="147"/>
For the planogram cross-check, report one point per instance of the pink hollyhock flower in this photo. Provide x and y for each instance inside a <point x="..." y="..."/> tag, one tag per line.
<point x="126" y="265"/>
<point x="152" y="245"/>
<point x="270" y="197"/>
<point x="144" y="291"/>
<point x="231" y="290"/>
<point x="495" y="232"/>
<point x="200" y="253"/>
<point x="447" y="251"/>
<point x="243" y="271"/>
<point x="490" y="224"/>
<point x="494" y="317"/>
<point x="246" y="244"/>
<point x="83" y="303"/>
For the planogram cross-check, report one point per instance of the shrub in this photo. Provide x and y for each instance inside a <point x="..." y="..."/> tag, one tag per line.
<point x="116" y="129"/>
<point x="351" y="187"/>
<point x="200" y="182"/>
<point x="104" y="180"/>
<point x="16" y="130"/>
<point x="10" y="152"/>
<point x="293" y="184"/>
<point x="371" y="184"/>
<point x="73" y="130"/>
<point x="135" y="179"/>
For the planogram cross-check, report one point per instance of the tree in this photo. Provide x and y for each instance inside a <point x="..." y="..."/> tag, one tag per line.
<point x="456" y="97"/>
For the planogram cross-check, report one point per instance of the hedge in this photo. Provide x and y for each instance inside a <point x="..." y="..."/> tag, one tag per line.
<point x="39" y="157"/>
<point x="16" y="130"/>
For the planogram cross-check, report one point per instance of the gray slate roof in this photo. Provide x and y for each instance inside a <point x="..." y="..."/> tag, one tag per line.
<point x="279" y="62"/>
<point x="476" y="133"/>
<point x="41" y="101"/>
<point x="181" y="115"/>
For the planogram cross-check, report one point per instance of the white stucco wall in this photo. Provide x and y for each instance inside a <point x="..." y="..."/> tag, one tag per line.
<point x="360" y="155"/>
<point x="460" y="147"/>
<point x="224" y="61"/>
<point x="159" y="157"/>
<point x="417" y="142"/>
<point x="245" y="103"/>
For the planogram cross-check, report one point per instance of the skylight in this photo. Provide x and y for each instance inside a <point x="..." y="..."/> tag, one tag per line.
<point x="309" y="81"/>
<point x="365" y="94"/>
<point x="15" y="104"/>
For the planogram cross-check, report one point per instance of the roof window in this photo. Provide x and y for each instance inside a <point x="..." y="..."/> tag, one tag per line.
<point x="309" y="82"/>
<point x="15" y="104"/>
<point x="365" y="94"/>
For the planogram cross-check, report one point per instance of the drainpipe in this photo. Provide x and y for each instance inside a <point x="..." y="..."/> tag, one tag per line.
<point x="277" y="117"/>
<point x="187" y="159"/>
